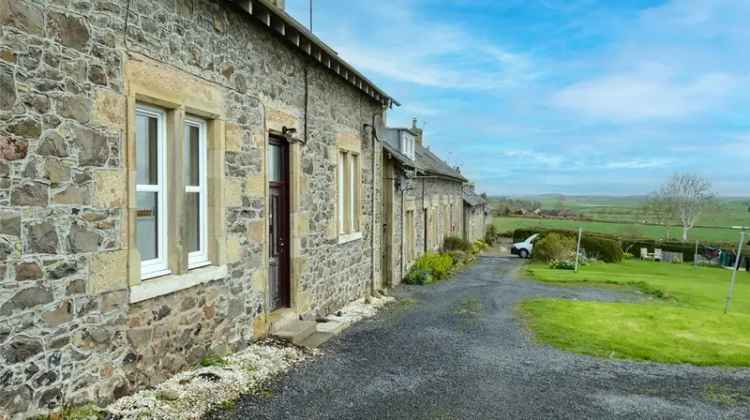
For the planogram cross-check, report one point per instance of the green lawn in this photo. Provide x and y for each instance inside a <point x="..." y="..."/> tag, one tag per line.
<point x="687" y="326"/>
<point x="629" y="230"/>
<point x="731" y="211"/>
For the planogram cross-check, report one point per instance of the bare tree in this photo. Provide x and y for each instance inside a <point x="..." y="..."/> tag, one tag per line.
<point x="659" y="209"/>
<point x="689" y="195"/>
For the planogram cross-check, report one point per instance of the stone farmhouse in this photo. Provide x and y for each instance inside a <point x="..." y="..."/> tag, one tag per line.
<point x="180" y="177"/>
<point x="422" y="201"/>
<point x="476" y="214"/>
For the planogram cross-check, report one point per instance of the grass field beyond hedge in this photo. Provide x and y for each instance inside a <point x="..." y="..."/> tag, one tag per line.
<point x="687" y="326"/>
<point x="624" y="230"/>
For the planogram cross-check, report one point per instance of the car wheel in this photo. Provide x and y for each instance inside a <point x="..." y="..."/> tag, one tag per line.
<point x="523" y="254"/>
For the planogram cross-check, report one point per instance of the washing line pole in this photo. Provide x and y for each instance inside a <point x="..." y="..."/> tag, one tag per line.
<point x="734" y="272"/>
<point x="578" y="247"/>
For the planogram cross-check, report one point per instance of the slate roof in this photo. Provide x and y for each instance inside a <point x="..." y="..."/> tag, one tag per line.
<point x="430" y="164"/>
<point x="396" y="153"/>
<point x="473" y="199"/>
<point x="287" y="27"/>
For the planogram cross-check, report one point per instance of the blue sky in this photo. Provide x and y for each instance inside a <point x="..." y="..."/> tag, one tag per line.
<point x="561" y="96"/>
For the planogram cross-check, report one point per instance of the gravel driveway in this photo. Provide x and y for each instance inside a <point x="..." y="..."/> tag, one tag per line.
<point x="457" y="350"/>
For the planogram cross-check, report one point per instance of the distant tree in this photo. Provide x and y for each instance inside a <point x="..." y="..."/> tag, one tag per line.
<point x="659" y="209"/>
<point x="689" y="196"/>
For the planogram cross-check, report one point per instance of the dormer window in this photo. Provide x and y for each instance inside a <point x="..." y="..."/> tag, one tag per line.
<point x="407" y="144"/>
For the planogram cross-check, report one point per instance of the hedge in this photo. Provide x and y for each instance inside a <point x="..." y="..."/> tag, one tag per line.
<point x="605" y="247"/>
<point x="632" y="246"/>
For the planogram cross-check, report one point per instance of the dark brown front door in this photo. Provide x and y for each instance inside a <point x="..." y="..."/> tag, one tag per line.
<point x="278" y="224"/>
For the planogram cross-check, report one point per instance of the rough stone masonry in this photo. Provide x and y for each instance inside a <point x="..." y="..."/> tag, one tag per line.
<point x="69" y="332"/>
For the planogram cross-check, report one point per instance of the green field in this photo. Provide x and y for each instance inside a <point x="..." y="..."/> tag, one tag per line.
<point x="731" y="211"/>
<point x="684" y="324"/>
<point x="622" y="216"/>
<point x="625" y="230"/>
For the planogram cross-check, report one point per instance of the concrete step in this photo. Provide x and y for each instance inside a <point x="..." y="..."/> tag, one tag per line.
<point x="317" y="339"/>
<point x="325" y="331"/>
<point x="281" y="318"/>
<point x="295" y="331"/>
<point x="332" y="327"/>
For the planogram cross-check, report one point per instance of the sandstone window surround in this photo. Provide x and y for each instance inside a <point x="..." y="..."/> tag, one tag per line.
<point x="187" y="150"/>
<point x="410" y="236"/>
<point x="348" y="189"/>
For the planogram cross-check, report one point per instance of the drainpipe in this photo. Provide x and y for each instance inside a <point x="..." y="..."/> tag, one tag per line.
<point x="373" y="223"/>
<point x="402" y="232"/>
<point x="425" y="219"/>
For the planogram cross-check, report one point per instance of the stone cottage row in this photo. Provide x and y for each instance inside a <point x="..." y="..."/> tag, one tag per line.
<point x="176" y="176"/>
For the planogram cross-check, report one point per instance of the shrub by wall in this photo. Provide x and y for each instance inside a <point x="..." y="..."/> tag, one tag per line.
<point x="604" y="247"/>
<point x="554" y="247"/>
<point x="438" y="265"/>
<point x="454" y="243"/>
<point x="490" y="235"/>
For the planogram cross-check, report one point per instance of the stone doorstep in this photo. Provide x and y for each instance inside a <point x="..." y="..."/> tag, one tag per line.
<point x="280" y="318"/>
<point x="295" y="331"/>
<point x="325" y="331"/>
<point x="316" y="340"/>
<point x="332" y="327"/>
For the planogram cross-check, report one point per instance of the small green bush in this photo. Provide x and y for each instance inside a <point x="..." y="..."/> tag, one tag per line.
<point x="490" y="235"/>
<point x="459" y="257"/>
<point x="479" y="246"/>
<point x="438" y="265"/>
<point x="418" y="277"/>
<point x="212" y="359"/>
<point x="607" y="250"/>
<point x="554" y="246"/>
<point x="454" y="243"/>
<point x="562" y="265"/>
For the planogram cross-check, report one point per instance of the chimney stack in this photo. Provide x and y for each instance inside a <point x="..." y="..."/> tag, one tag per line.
<point x="417" y="131"/>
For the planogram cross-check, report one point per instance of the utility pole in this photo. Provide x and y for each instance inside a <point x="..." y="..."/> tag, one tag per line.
<point x="311" y="15"/>
<point x="578" y="247"/>
<point x="734" y="272"/>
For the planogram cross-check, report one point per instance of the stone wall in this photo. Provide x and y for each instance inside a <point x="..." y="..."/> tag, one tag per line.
<point x="430" y="196"/>
<point x="68" y="333"/>
<point x="476" y="222"/>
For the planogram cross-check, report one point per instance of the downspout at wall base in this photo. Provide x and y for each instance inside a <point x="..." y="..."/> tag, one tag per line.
<point x="373" y="223"/>
<point x="403" y="262"/>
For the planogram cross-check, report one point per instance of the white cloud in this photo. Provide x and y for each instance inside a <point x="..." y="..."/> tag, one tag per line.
<point x="402" y="44"/>
<point x="532" y="157"/>
<point x="643" y="96"/>
<point x="638" y="164"/>
<point x="562" y="162"/>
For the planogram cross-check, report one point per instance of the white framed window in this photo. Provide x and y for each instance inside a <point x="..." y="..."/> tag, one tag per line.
<point x="353" y="192"/>
<point x="342" y="193"/>
<point x="151" y="190"/>
<point x="195" y="164"/>
<point x="407" y="144"/>
<point x="348" y="193"/>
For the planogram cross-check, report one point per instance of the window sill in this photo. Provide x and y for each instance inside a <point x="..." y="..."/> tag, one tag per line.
<point x="161" y="286"/>
<point x="349" y="237"/>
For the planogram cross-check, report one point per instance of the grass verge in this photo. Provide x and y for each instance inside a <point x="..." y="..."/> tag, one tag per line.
<point x="659" y="333"/>
<point x="685" y="324"/>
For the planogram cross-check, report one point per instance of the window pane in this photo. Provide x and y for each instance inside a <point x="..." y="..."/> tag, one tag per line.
<point x="192" y="216"/>
<point x="274" y="163"/>
<point x="192" y="155"/>
<point x="342" y="193"/>
<point x="146" y="143"/>
<point x="353" y="191"/>
<point x="147" y="225"/>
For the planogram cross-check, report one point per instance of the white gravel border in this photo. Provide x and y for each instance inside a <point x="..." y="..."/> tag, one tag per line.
<point x="191" y="394"/>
